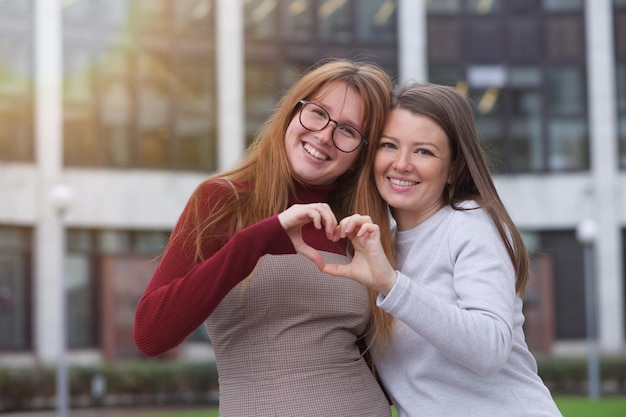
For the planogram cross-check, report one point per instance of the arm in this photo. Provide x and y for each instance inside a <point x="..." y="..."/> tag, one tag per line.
<point x="182" y="294"/>
<point x="468" y="313"/>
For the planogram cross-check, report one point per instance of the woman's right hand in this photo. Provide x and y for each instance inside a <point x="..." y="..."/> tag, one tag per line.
<point x="298" y="215"/>
<point x="369" y="265"/>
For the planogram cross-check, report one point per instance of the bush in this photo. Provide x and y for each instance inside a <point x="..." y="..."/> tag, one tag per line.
<point x="143" y="382"/>
<point x="159" y="382"/>
<point x="568" y="376"/>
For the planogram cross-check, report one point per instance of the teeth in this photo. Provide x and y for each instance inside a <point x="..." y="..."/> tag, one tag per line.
<point x="315" y="153"/>
<point x="402" y="183"/>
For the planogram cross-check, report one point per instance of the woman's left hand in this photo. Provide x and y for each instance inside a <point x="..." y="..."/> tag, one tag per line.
<point x="370" y="265"/>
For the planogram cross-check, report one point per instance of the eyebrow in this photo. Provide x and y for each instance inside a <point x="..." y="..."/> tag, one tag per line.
<point x="418" y="143"/>
<point x="351" y="123"/>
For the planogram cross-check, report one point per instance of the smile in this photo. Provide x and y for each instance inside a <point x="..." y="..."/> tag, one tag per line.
<point x="315" y="153"/>
<point x="402" y="183"/>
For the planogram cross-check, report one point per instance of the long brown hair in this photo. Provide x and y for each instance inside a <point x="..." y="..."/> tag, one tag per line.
<point x="267" y="173"/>
<point x="471" y="179"/>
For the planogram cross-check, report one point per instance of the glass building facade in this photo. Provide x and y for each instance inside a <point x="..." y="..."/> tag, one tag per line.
<point x="143" y="122"/>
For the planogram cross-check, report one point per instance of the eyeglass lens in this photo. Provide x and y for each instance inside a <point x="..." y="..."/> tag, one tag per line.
<point x="313" y="117"/>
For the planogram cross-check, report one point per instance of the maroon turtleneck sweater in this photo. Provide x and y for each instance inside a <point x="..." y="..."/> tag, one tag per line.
<point x="182" y="293"/>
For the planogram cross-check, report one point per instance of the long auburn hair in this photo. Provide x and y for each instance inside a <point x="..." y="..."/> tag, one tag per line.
<point x="471" y="179"/>
<point x="266" y="171"/>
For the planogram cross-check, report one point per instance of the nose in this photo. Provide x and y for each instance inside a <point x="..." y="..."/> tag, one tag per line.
<point x="403" y="162"/>
<point x="326" y="134"/>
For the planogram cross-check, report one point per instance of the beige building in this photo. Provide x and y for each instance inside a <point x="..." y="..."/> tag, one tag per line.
<point x="112" y="112"/>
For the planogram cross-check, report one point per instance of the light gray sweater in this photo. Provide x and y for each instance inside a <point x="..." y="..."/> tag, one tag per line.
<point x="459" y="347"/>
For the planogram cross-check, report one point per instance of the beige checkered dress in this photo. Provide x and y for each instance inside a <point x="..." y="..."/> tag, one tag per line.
<point x="285" y="344"/>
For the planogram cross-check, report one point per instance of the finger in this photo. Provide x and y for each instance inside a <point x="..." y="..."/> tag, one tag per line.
<point x="367" y="229"/>
<point x="351" y="223"/>
<point x="312" y="254"/>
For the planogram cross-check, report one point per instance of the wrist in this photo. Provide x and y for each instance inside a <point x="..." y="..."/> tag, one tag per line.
<point x="390" y="281"/>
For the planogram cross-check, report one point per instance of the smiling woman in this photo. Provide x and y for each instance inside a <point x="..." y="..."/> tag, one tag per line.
<point x="458" y="346"/>
<point x="287" y="338"/>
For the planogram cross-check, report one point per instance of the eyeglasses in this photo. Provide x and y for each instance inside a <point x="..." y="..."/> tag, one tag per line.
<point x="315" y="118"/>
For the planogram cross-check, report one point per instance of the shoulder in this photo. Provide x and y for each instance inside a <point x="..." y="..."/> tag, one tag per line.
<point x="471" y="219"/>
<point x="219" y="187"/>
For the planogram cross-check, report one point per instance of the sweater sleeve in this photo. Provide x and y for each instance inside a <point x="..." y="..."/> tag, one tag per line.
<point x="182" y="293"/>
<point x="474" y="325"/>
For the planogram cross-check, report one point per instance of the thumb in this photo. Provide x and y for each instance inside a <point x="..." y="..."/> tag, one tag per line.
<point x="312" y="254"/>
<point x="337" y="270"/>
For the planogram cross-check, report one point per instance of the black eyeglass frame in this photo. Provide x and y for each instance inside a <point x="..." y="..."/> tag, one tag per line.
<point x="305" y="102"/>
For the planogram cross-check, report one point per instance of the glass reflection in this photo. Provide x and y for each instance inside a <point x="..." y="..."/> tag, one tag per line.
<point x="335" y="22"/>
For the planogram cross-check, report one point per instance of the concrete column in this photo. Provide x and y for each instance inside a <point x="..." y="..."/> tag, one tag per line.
<point x="48" y="249"/>
<point x="604" y="171"/>
<point x="412" y="49"/>
<point x="230" y="82"/>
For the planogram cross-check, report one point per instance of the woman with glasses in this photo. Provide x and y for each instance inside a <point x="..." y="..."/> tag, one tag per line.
<point x="286" y="337"/>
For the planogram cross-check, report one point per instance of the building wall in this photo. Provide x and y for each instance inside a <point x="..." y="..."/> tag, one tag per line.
<point x="142" y="199"/>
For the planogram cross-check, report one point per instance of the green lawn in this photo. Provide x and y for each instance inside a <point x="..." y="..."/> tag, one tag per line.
<point x="569" y="406"/>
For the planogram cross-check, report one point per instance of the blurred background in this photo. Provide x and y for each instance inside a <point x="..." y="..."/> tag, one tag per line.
<point x="113" y="111"/>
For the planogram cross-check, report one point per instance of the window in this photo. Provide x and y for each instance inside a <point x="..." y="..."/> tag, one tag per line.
<point x="285" y="37"/>
<point x="103" y="267"/>
<point x="139" y="84"/>
<point x="524" y="68"/>
<point x="16" y="89"/>
<point x="15" y="288"/>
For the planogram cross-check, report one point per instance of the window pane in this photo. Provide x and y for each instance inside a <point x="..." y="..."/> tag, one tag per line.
<point x="566" y="90"/>
<point x="78" y="10"/>
<point x="489" y="125"/>
<point x="196" y="142"/>
<point x="13" y="237"/>
<point x="193" y="15"/>
<point x="568" y="145"/>
<point x="446" y="75"/>
<point x="155" y="134"/>
<point x="194" y="82"/>
<point x="335" y="22"/>
<point x="565" y="37"/>
<point x="486" y="41"/>
<point x="79" y="240"/>
<point x="260" y="18"/>
<point x="114" y="12"/>
<point x="154" y="107"/>
<point x="14" y="306"/>
<point x="150" y="242"/>
<point x="151" y="13"/>
<point x="81" y="328"/>
<point x="260" y="95"/>
<point x="444" y="41"/>
<point x="16" y="117"/>
<point x="79" y="126"/>
<point x="527" y="152"/>
<point x="524" y="39"/>
<point x="559" y="5"/>
<point x="484" y="7"/>
<point x="115" y="116"/>
<point x="443" y="6"/>
<point x="114" y="241"/>
<point x="298" y="18"/>
<point x="377" y="19"/>
<point x="490" y="133"/>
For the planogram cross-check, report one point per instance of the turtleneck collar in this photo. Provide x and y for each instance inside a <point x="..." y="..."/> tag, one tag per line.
<point x="313" y="193"/>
